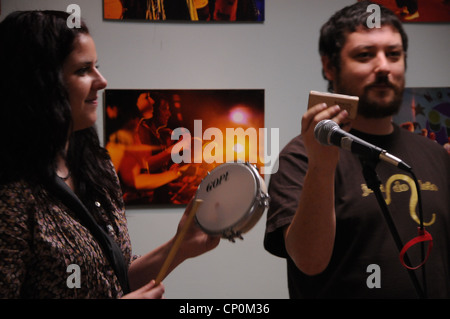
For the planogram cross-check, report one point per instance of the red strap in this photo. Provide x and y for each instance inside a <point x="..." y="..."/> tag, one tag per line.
<point x="423" y="236"/>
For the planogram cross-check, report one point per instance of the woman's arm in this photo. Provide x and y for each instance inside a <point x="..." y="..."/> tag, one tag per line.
<point x="147" y="267"/>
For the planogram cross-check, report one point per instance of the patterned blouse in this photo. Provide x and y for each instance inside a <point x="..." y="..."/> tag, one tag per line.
<point x="46" y="253"/>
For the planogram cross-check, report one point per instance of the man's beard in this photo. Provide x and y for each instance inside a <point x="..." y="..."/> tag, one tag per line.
<point x="372" y="108"/>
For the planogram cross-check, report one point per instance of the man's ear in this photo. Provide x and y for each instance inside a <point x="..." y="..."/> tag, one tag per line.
<point x="329" y="71"/>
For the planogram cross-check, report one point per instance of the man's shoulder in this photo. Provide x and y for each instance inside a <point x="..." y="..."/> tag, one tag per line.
<point x="420" y="140"/>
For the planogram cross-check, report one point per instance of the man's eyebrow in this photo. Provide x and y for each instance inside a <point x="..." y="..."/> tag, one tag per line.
<point x="370" y="48"/>
<point x="396" y="46"/>
<point x="366" y="47"/>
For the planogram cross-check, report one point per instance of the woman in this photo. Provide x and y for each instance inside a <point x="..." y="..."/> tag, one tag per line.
<point x="60" y="201"/>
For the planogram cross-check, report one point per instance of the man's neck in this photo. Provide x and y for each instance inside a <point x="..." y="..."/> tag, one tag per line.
<point x="380" y="126"/>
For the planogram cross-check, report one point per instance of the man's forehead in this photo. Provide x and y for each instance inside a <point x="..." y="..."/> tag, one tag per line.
<point x="365" y="37"/>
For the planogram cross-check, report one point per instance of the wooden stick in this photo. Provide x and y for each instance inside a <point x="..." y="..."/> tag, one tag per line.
<point x="177" y="243"/>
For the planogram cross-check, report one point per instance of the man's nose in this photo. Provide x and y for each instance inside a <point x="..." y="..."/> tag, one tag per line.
<point x="382" y="66"/>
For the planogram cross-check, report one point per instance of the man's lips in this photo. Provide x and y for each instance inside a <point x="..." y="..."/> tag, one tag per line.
<point x="381" y="86"/>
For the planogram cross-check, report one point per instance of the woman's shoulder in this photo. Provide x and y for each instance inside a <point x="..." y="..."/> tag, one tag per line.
<point x="15" y="191"/>
<point x="16" y="195"/>
<point x="17" y="200"/>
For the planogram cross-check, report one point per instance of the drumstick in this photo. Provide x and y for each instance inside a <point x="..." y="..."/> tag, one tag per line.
<point x="177" y="243"/>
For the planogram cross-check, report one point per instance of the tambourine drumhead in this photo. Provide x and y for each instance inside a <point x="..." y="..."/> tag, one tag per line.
<point x="234" y="198"/>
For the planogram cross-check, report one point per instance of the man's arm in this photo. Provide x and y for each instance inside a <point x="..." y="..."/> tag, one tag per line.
<point x="310" y="237"/>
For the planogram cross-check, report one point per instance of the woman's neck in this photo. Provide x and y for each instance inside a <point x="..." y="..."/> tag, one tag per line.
<point x="63" y="171"/>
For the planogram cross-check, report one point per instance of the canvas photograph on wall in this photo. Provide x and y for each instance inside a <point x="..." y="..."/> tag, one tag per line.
<point x="163" y="142"/>
<point x="184" y="10"/>
<point x="419" y="10"/>
<point x="426" y="111"/>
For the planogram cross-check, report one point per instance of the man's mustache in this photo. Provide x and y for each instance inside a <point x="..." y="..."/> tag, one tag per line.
<point x="382" y="81"/>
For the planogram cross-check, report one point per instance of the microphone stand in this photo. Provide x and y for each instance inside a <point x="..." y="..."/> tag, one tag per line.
<point x="373" y="182"/>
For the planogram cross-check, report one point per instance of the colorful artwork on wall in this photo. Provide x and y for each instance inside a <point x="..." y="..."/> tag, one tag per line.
<point x="184" y="10"/>
<point x="419" y="10"/>
<point x="426" y="111"/>
<point x="164" y="142"/>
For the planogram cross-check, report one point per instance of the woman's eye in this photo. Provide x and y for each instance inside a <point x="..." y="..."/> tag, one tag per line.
<point x="82" y="71"/>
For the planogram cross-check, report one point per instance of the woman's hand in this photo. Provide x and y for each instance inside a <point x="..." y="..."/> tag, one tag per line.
<point x="148" y="291"/>
<point x="196" y="242"/>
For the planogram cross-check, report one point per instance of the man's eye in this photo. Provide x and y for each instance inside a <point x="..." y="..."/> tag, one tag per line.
<point x="363" y="55"/>
<point x="394" y="54"/>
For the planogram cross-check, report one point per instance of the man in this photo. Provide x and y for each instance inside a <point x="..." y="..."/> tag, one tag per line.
<point x="154" y="132"/>
<point x="323" y="218"/>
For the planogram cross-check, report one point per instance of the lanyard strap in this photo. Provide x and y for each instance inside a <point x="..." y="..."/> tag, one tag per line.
<point x="110" y="248"/>
<point x="422" y="237"/>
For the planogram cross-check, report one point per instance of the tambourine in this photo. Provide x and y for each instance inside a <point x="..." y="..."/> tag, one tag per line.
<point x="234" y="198"/>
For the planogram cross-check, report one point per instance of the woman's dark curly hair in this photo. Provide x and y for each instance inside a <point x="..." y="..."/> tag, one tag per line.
<point x="35" y="111"/>
<point x="333" y="33"/>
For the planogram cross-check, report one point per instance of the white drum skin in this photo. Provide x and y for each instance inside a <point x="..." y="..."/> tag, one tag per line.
<point x="234" y="198"/>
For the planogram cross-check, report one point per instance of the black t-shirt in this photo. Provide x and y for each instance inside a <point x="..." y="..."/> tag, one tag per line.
<point x="365" y="261"/>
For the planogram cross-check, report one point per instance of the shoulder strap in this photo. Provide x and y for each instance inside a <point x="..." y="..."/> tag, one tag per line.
<point x="108" y="245"/>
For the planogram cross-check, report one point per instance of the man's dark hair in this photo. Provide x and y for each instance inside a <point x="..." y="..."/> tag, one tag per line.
<point x="333" y="33"/>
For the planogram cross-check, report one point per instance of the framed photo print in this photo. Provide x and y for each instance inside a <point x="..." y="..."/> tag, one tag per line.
<point x="184" y="10"/>
<point x="426" y="111"/>
<point x="419" y="10"/>
<point x="164" y="142"/>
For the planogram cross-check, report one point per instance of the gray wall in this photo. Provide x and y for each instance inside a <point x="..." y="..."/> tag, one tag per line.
<point x="280" y="56"/>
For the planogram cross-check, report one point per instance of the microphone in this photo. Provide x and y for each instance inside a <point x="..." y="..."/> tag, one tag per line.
<point x="328" y="132"/>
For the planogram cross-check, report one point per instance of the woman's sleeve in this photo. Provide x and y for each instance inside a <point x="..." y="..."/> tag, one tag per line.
<point x="15" y="236"/>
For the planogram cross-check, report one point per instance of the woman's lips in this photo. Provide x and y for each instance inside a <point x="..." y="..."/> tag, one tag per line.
<point x="92" y="101"/>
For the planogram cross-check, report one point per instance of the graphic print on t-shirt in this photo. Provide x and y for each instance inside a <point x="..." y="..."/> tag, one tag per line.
<point x="398" y="183"/>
